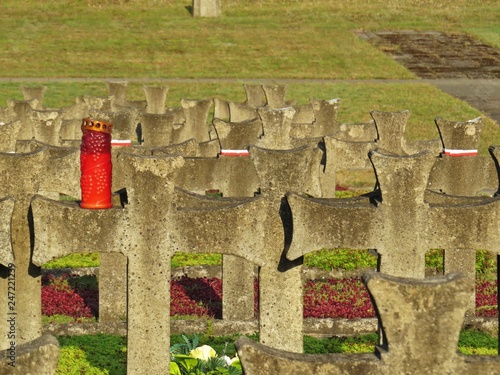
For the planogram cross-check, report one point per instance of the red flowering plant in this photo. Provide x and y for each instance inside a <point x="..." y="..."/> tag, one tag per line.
<point x="196" y="296"/>
<point x="487" y="298"/>
<point x="202" y="297"/>
<point x="337" y="298"/>
<point x="62" y="296"/>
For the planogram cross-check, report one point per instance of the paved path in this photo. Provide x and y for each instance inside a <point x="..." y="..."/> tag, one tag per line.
<point x="483" y="94"/>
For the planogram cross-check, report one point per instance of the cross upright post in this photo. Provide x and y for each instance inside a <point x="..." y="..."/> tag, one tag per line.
<point x="22" y="175"/>
<point x="461" y="171"/>
<point x="281" y="319"/>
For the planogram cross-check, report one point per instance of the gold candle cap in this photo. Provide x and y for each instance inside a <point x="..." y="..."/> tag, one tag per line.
<point x="96" y="125"/>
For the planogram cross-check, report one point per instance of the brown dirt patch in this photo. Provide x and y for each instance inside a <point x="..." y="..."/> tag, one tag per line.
<point x="438" y="55"/>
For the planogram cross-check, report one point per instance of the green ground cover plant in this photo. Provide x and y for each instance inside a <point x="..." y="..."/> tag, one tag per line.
<point x="77" y="260"/>
<point x="345" y="259"/>
<point x="92" y="355"/>
<point x="106" y="354"/>
<point x="325" y="259"/>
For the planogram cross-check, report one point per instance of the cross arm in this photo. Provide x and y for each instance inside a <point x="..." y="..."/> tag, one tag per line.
<point x="63" y="171"/>
<point x="234" y="227"/>
<point x="62" y="228"/>
<point x="233" y="176"/>
<point x="347" y="153"/>
<point x="469" y="224"/>
<point x="257" y="358"/>
<point x="329" y="223"/>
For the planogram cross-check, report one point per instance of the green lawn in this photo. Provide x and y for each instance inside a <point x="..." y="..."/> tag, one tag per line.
<point x="296" y="39"/>
<point x="325" y="259"/>
<point x="106" y="354"/>
<point x="98" y="40"/>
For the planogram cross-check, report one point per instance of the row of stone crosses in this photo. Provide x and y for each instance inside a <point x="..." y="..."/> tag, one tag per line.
<point x="275" y="164"/>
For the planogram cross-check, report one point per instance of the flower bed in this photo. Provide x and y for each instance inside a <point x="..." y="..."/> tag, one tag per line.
<point x="65" y="296"/>
<point x="78" y="297"/>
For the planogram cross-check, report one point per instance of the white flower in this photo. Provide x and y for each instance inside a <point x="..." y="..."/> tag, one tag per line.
<point x="203" y="352"/>
<point x="229" y="361"/>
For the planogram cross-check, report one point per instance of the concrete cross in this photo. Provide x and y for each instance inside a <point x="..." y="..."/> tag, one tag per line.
<point x="237" y="135"/>
<point x="10" y="131"/>
<point x="20" y="110"/>
<point x="399" y="223"/>
<point x="276" y="171"/>
<point x="391" y="127"/>
<point x="421" y="320"/>
<point x="258" y="96"/>
<point x="156" y="97"/>
<point x="461" y="171"/>
<point x="277" y="124"/>
<point x="157" y="130"/>
<point x="348" y="148"/>
<point x="61" y="228"/>
<point x="22" y="175"/>
<point x="34" y="93"/>
<point x="232" y="176"/>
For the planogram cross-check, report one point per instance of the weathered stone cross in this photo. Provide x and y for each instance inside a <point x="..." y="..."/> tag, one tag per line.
<point x="421" y="320"/>
<point x="461" y="171"/>
<point x="277" y="171"/>
<point x="349" y="147"/>
<point x="281" y="318"/>
<point x="22" y="175"/>
<point x="398" y="223"/>
<point x="148" y="230"/>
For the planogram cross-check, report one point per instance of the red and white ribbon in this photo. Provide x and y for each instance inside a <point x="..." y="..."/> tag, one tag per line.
<point x="121" y="142"/>
<point x="234" y="153"/>
<point x="453" y="152"/>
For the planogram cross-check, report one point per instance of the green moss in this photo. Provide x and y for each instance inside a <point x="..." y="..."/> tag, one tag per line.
<point x="185" y="259"/>
<point x="474" y="340"/>
<point x="345" y="259"/>
<point x="486" y="264"/>
<point x="78" y="260"/>
<point x="435" y="259"/>
<point x="96" y="355"/>
<point x="360" y="344"/>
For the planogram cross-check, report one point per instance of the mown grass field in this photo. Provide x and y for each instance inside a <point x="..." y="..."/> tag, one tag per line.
<point x="253" y="38"/>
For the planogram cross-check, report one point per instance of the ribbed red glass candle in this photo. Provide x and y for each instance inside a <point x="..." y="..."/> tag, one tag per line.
<point x="95" y="164"/>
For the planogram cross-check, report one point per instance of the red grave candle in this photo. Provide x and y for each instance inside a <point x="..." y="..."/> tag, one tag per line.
<point x="95" y="164"/>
